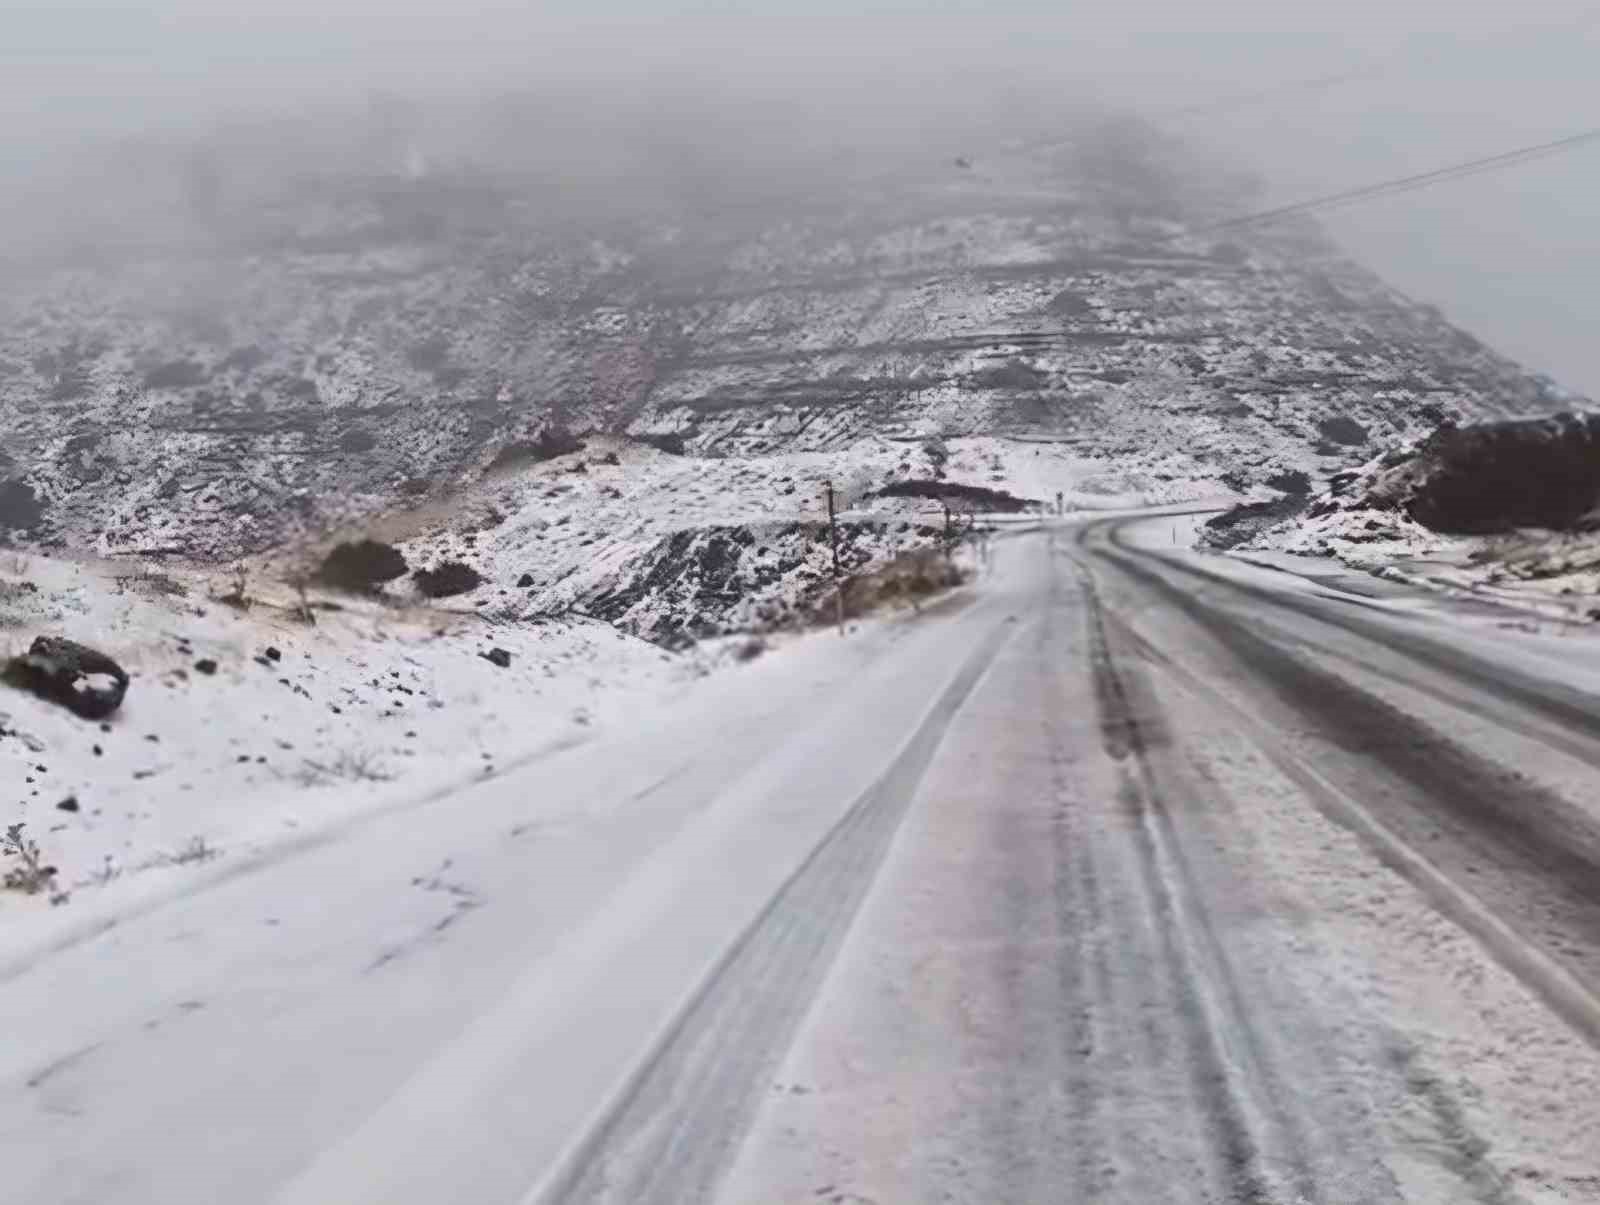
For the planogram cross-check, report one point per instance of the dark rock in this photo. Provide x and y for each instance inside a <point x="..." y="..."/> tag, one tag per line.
<point x="69" y="804"/>
<point x="1340" y="483"/>
<point x="1497" y="476"/>
<point x="525" y="581"/>
<point x="273" y="654"/>
<point x="205" y="666"/>
<point x="87" y="683"/>
<point x="1435" y="413"/>
<point x="497" y="657"/>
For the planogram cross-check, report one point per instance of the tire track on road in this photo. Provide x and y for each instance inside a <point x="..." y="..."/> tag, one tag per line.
<point x="1568" y="706"/>
<point x="1547" y="854"/>
<point x="1263" y="1150"/>
<point x="672" y="1131"/>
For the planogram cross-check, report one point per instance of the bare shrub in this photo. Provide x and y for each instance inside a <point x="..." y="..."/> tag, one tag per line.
<point x="749" y="650"/>
<point x="152" y="582"/>
<point x="108" y="873"/>
<point x="908" y="579"/>
<point x="303" y="611"/>
<point x="27" y="872"/>
<point x="349" y="765"/>
<point x="553" y="441"/>
<point x="238" y="595"/>
<point x="192" y="852"/>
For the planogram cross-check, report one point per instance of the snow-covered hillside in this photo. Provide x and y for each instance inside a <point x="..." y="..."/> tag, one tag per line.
<point x="360" y="343"/>
<point x="620" y="433"/>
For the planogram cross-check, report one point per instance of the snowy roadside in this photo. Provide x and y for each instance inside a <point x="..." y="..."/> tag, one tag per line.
<point x="1539" y="647"/>
<point x="1499" y="512"/>
<point x="248" y="733"/>
<point x="1549" y="576"/>
<point x="245" y="726"/>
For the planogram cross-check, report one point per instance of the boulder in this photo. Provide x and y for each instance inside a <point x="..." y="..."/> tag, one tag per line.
<point x="1495" y="477"/>
<point x="1484" y="478"/>
<point x="86" y="682"/>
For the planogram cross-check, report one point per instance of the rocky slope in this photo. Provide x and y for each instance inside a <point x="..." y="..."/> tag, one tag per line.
<point x="1508" y="509"/>
<point x="342" y="343"/>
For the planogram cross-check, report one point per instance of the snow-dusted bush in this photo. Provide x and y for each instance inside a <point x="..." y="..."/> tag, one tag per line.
<point x="361" y="566"/>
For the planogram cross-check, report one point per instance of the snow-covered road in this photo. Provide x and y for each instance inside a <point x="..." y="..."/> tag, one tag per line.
<point x="1128" y="876"/>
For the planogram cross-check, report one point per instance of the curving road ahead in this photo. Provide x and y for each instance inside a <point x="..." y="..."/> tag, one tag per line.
<point x="1225" y="886"/>
<point x="1129" y="875"/>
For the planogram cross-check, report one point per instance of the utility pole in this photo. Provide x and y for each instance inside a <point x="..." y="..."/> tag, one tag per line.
<point x="838" y="577"/>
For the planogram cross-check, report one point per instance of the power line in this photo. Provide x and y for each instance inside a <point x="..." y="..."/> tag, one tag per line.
<point x="1372" y="68"/>
<point x="1401" y="184"/>
<point x="1369" y="69"/>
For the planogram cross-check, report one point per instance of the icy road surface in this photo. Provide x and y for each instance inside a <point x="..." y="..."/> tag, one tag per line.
<point x="1127" y="876"/>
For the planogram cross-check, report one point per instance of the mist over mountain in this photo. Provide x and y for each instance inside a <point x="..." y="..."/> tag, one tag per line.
<point x="279" y="327"/>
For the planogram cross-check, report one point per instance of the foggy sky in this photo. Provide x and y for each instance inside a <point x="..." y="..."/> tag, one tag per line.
<point x="1514" y="256"/>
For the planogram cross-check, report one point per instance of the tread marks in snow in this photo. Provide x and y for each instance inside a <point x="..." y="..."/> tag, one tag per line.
<point x="1259" y="1143"/>
<point x="676" y="1126"/>
<point x="1526" y="831"/>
